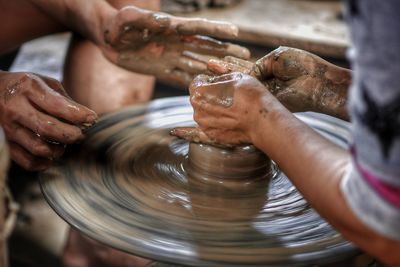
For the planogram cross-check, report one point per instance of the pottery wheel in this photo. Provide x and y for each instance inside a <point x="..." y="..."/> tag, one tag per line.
<point x="127" y="186"/>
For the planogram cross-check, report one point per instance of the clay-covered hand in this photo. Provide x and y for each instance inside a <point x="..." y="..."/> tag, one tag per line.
<point x="227" y="109"/>
<point x="174" y="49"/>
<point x="39" y="118"/>
<point x="300" y="80"/>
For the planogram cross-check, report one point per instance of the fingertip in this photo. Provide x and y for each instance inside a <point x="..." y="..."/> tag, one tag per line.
<point x="230" y="29"/>
<point x="238" y="51"/>
<point x="91" y="118"/>
<point x="217" y="66"/>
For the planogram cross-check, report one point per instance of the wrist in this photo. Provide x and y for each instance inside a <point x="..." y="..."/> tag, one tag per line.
<point x="104" y="15"/>
<point x="269" y="111"/>
<point x="89" y="18"/>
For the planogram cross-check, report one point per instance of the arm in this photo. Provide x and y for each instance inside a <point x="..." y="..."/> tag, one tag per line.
<point x="22" y="21"/>
<point x="255" y="116"/>
<point x="320" y="181"/>
<point x="85" y="17"/>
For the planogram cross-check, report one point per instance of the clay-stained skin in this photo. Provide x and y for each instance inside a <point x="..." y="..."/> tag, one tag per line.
<point x="225" y="107"/>
<point x="216" y="90"/>
<point x="300" y="80"/>
<point x="174" y="49"/>
<point x="39" y="118"/>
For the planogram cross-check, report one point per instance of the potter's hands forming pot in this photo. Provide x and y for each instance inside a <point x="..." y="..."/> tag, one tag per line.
<point x="227" y="109"/>
<point x="171" y="48"/>
<point x="300" y="80"/>
<point x="39" y="118"/>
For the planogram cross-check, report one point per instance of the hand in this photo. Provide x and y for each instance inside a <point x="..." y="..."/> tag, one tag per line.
<point x="39" y="118"/>
<point x="169" y="47"/>
<point x="227" y="109"/>
<point x="300" y="80"/>
<point x="81" y="251"/>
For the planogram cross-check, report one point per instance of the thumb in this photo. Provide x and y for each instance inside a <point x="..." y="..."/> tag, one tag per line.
<point x="192" y="134"/>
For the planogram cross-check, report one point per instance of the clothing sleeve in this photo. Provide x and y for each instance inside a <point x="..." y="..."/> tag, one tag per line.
<point x="372" y="186"/>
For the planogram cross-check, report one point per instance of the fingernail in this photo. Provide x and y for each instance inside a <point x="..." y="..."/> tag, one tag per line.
<point x="91" y="118"/>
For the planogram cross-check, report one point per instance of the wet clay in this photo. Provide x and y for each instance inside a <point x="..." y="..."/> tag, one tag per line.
<point x="219" y="163"/>
<point x="133" y="186"/>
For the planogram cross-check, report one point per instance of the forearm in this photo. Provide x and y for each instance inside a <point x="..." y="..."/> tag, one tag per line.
<point x="22" y="21"/>
<point x="85" y="17"/>
<point x="316" y="167"/>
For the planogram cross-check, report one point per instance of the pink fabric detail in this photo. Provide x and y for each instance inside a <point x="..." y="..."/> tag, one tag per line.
<point x="386" y="191"/>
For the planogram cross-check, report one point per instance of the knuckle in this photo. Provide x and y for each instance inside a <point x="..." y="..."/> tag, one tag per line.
<point x="12" y="113"/>
<point x="43" y="128"/>
<point x="26" y="77"/>
<point x="28" y="81"/>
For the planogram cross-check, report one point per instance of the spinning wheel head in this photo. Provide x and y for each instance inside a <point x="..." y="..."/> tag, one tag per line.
<point x="136" y="188"/>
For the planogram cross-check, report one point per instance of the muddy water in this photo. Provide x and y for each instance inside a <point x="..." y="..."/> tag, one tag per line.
<point x="131" y="186"/>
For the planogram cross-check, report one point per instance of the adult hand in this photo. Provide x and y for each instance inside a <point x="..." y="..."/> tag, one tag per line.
<point x="300" y="80"/>
<point x="39" y="119"/>
<point x="227" y="108"/>
<point x="173" y="49"/>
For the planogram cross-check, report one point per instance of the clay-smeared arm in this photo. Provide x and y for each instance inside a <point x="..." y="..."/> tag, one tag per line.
<point x="300" y="80"/>
<point x="237" y="109"/>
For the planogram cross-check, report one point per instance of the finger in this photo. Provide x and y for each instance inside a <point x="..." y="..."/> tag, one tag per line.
<point x="209" y="46"/>
<point x="191" y="134"/>
<point x="220" y="67"/>
<point x="284" y="63"/>
<point x="240" y="62"/>
<point x="212" y="116"/>
<point x="230" y="64"/>
<point x="53" y="103"/>
<point x="227" y="137"/>
<point x="134" y="24"/>
<point x="199" y="57"/>
<point x="215" y="90"/>
<point x="33" y="144"/>
<point x="191" y="66"/>
<point x="193" y="26"/>
<point x="27" y="161"/>
<point x="55" y="85"/>
<point x="49" y="128"/>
